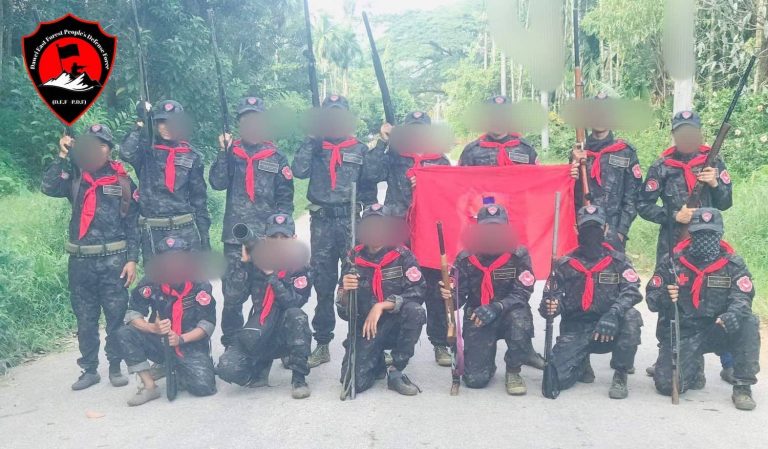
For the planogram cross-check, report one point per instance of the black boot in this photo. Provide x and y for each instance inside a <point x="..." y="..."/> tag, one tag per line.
<point x="116" y="377"/>
<point x="619" y="388"/>
<point x="260" y="378"/>
<point x="299" y="387"/>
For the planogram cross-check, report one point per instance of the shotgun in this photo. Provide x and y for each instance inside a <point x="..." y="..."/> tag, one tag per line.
<point x="349" y="387"/>
<point x="550" y="383"/>
<point x="450" y="309"/>
<point x="389" y="110"/>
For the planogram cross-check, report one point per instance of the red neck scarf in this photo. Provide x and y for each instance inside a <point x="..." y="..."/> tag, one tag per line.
<point x="597" y="155"/>
<point x="170" y="162"/>
<point x="269" y="299"/>
<point x="238" y="151"/>
<point x="335" y="149"/>
<point x="486" y="287"/>
<point x="699" y="280"/>
<point x="418" y="158"/>
<point x="589" y="281"/>
<point x="502" y="157"/>
<point x="177" y="311"/>
<point x="687" y="167"/>
<point x="376" y="283"/>
<point x="88" y="211"/>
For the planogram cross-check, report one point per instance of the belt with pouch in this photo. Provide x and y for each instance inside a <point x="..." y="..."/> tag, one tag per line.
<point x="96" y="250"/>
<point x="167" y="223"/>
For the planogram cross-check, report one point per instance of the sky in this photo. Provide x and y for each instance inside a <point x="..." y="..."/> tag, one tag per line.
<point x="334" y="7"/>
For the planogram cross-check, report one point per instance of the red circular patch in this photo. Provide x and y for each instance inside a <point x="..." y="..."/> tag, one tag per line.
<point x="300" y="282"/>
<point x="725" y="177"/>
<point x="170" y="242"/>
<point x="280" y="219"/>
<point x="136" y="195"/>
<point x="745" y="284"/>
<point x="526" y="278"/>
<point x="591" y="209"/>
<point x="203" y="298"/>
<point x="493" y="210"/>
<point x="637" y="171"/>
<point x="168" y="107"/>
<point x="499" y="100"/>
<point x="96" y="128"/>
<point x="630" y="275"/>
<point x="656" y="281"/>
<point x="413" y="274"/>
<point x="146" y="292"/>
<point x="251" y="100"/>
<point x="651" y="185"/>
<point x="287" y="173"/>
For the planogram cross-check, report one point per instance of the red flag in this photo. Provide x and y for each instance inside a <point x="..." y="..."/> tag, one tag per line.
<point x="453" y="195"/>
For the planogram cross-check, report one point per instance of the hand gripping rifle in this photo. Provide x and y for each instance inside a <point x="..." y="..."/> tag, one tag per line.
<point x="450" y="309"/>
<point x="550" y="383"/>
<point x="146" y="116"/>
<point x="310" y="54"/>
<point x="674" y="323"/>
<point x="581" y="134"/>
<point x="389" y="110"/>
<point x="349" y="387"/>
<point x="220" y="78"/>
<point x="171" y="380"/>
<point x="694" y="199"/>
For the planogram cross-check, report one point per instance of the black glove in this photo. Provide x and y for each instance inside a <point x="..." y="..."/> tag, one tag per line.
<point x="489" y="312"/>
<point x="141" y="111"/>
<point x="731" y="322"/>
<point x="608" y="325"/>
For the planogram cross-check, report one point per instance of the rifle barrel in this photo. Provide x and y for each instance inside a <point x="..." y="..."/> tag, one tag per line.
<point x="311" y="63"/>
<point x="389" y="112"/>
<point x="220" y="78"/>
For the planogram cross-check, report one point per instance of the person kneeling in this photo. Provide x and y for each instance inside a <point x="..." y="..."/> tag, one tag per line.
<point x="595" y="290"/>
<point x="388" y="285"/>
<point x="276" y="326"/>
<point x="186" y="319"/>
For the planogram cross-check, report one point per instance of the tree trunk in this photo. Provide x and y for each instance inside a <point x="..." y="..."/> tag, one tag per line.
<point x="493" y="52"/>
<point x="485" y="50"/>
<point x="2" y="39"/>
<point x="345" y="82"/>
<point x="760" y="42"/>
<point x="683" y="100"/>
<point x="512" y="80"/>
<point x="503" y="65"/>
<point x="545" y="131"/>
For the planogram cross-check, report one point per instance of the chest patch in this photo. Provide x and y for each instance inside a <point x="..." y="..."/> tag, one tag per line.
<point x="184" y="161"/>
<point x="719" y="281"/>
<point x="504" y="273"/>
<point x="608" y="278"/>
<point x="112" y="190"/>
<point x="267" y="166"/>
<point x="618" y="161"/>
<point x="391" y="273"/>
<point x="352" y="158"/>
<point x="520" y="158"/>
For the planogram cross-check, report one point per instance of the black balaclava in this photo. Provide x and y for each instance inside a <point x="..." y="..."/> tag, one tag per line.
<point x="591" y="239"/>
<point x="705" y="245"/>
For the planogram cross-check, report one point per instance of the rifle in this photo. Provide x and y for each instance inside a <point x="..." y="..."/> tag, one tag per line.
<point x="171" y="382"/>
<point x="449" y="312"/>
<point x="144" y="85"/>
<point x="349" y="387"/>
<point x="694" y="199"/>
<point x="550" y="383"/>
<point x="581" y="134"/>
<point x="220" y="78"/>
<point x="674" y="324"/>
<point x="389" y="110"/>
<point x="310" y="54"/>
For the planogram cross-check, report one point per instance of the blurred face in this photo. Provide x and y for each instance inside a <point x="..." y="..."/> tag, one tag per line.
<point x="175" y="267"/>
<point x="378" y="232"/>
<point x="333" y="123"/>
<point x="176" y="127"/>
<point x="498" y="121"/>
<point x="687" y="139"/>
<point x="490" y="239"/>
<point x="279" y="252"/>
<point x="252" y="127"/>
<point x="163" y="131"/>
<point x="90" y="153"/>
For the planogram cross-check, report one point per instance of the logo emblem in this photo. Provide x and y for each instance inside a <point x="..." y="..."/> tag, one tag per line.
<point x="136" y="195"/>
<point x="376" y="206"/>
<point x="334" y="98"/>
<point x="95" y="128"/>
<point x="637" y="171"/>
<point x="745" y="284"/>
<point x="300" y="282"/>
<point x="203" y="298"/>
<point x="656" y="281"/>
<point x="287" y="173"/>
<point x="630" y="275"/>
<point x="251" y="100"/>
<point x="706" y="217"/>
<point x="280" y="219"/>
<point x="651" y="185"/>
<point x="417" y="114"/>
<point x="69" y="61"/>
<point x="725" y="177"/>
<point x="413" y="274"/>
<point x="146" y="292"/>
<point x="499" y="100"/>
<point x="170" y="242"/>
<point x="682" y="279"/>
<point x="168" y="107"/>
<point x="591" y="209"/>
<point x="526" y="278"/>
<point x="493" y="210"/>
<point x="687" y="114"/>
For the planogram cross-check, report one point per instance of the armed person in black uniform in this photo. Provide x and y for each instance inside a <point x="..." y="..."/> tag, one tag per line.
<point x="185" y="316"/>
<point x="614" y="180"/>
<point x="332" y="162"/>
<point x="495" y="281"/>
<point x="276" y="327"/>
<point x="594" y="289"/>
<point x="498" y="147"/>
<point x="103" y="243"/>
<point x="712" y="288"/>
<point x="389" y="288"/>
<point x="172" y="192"/>
<point x="259" y="183"/>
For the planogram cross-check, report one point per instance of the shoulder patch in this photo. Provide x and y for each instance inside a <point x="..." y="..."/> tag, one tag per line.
<point x="527" y="278"/>
<point x="630" y="275"/>
<point x="136" y="195"/>
<point x="725" y="177"/>
<point x="203" y="298"/>
<point x="745" y="284"/>
<point x="413" y="274"/>
<point x="656" y="281"/>
<point x="651" y="185"/>
<point x="146" y="291"/>
<point x="637" y="171"/>
<point x="300" y="282"/>
<point x="287" y="173"/>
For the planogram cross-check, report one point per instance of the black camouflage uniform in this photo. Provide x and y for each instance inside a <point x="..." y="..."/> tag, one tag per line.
<point x="609" y="310"/>
<point x="718" y="288"/>
<point x="510" y="276"/>
<point x="172" y="195"/>
<point x="250" y="201"/>
<point x="99" y="249"/>
<point x="197" y="308"/>
<point x="398" y="329"/>
<point x="667" y="181"/>
<point x="329" y="192"/>
<point x="276" y="327"/>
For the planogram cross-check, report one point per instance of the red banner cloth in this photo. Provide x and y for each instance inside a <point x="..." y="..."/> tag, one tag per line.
<point x="453" y="195"/>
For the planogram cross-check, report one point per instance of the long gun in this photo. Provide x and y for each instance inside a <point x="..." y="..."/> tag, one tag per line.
<point x="674" y="324"/>
<point x="310" y="54"/>
<point x="171" y="381"/>
<point x="144" y="84"/>
<point x="694" y="199"/>
<point x="581" y="134"/>
<point x="389" y="110"/>
<point x="449" y="311"/>
<point x="550" y="383"/>
<point x="349" y="387"/>
<point x="220" y="78"/>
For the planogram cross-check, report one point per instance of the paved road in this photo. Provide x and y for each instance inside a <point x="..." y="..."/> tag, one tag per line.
<point x="38" y="410"/>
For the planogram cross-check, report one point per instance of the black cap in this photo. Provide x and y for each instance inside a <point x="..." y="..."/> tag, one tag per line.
<point x="590" y="214"/>
<point x="417" y="118"/>
<point x="377" y="210"/>
<point x="250" y="104"/>
<point x="102" y="132"/>
<point x="499" y="99"/>
<point x="335" y="102"/>
<point x="280" y="224"/>
<point x="166" y="108"/>
<point x="706" y="219"/>
<point x="492" y="214"/>
<point x="686" y="118"/>
<point x="171" y="243"/>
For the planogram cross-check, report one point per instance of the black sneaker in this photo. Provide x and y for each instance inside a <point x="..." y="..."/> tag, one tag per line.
<point x="299" y="387"/>
<point x="742" y="397"/>
<point x="86" y="379"/>
<point x="116" y="377"/>
<point x="399" y="382"/>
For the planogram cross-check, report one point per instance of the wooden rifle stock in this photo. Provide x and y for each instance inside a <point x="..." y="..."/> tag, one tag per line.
<point x="444" y="271"/>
